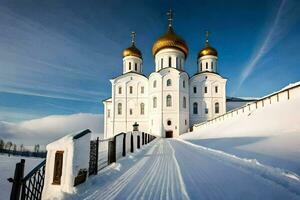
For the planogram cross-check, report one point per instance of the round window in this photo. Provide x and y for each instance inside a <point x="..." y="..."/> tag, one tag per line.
<point x="169" y="122"/>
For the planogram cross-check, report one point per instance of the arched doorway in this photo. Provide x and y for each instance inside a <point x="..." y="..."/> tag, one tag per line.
<point x="169" y="134"/>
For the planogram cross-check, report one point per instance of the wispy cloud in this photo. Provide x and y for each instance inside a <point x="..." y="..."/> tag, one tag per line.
<point x="47" y="129"/>
<point x="277" y="30"/>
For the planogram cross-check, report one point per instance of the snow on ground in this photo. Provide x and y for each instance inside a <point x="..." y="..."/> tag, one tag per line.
<point x="175" y="169"/>
<point x="7" y="169"/>
<point x="270" y="135"/>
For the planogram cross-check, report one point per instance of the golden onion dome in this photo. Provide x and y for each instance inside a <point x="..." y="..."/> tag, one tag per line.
<point x="132" y="51"/>
<point x="170" y="40"/>
<point x="207" y="50"/>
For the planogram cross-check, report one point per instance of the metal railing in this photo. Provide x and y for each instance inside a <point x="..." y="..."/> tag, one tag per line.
<point x="105" y="152"/>
<point x="29" y="187"/>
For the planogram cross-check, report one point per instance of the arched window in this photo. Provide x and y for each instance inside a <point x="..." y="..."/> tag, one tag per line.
<point x="142" y="90"/>
<point x="195" y="89"/>
<point x="135" y="66"/>
<point x="130" y="111"/>
<point x="169" y="122"/>
<point x="183" y="84"/>
<point x="120" y="90"/>
<point x="177" y="62"/>
<point x="206" y="65"/>
<point x="154" y="102"/>
<point x="169" y="101"/>
<point x="169" y="82"/>
<point x="170" y="62"/>
<point x="212" y="65"/>
<point x="205" y="89"/>
<point x="180" y="63"/>
<point x="195" y="108"/>
<point x="142" y="108"/>
<point x="129" y="65"/>
<point x="130" y="89"/>
<point x="217" y="107"/>
<point x="216" y="89"/>
<point x="184" y="102"/>
<point x="154" y="84"/>
<point x="119" y="109"/>
<point x="161" y="63"/>
<point x="200" y="66"/>
<point x="206" y="110"/>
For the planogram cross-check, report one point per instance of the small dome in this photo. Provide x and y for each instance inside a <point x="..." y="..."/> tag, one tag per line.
<point x="132" y="51"/>
<point x="170" y="40"/>
<point x="207" y="51"/>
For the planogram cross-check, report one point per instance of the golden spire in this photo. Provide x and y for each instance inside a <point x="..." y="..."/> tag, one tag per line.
<point x="170" y="17"/>
<point x="132" y="38"/>
<point x="206" y="38"/>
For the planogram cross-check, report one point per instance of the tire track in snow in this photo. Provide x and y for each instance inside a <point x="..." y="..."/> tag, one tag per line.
<point x="111" y="190"/>
<point x="158" y="179"/>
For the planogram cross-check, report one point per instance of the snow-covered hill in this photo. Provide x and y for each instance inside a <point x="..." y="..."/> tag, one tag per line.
<point x="270" y="134"/>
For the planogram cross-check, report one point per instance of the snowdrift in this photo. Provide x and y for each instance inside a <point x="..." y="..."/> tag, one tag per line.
<point x="269" y="133"/>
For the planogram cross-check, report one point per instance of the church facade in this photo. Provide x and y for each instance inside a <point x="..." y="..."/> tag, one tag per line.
<point x="168" y="101"/>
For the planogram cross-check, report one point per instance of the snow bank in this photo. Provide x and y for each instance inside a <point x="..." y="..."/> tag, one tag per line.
<point x="269" y="133"/>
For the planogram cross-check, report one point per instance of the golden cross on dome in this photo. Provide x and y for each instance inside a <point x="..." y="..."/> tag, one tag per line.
<point x="206" y="38"/>
<point x="170" y="17"/>
<point x="132" y="38"/>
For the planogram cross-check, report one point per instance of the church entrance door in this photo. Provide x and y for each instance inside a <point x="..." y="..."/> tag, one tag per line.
<point x="169" y="134"/>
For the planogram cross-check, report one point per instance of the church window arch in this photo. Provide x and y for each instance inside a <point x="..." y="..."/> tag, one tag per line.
<point x="154" y="84"/>
<point x="216" y="89"/>
<point x="169" y="122"/>
<point x="200" y="66"/>
<point x="195" y="108"/>
<point x="183" y="83"/>
<point x="217" y="107"/>
<point x="184" y="102"/>
<point x="135" y="66"/>
<point x="205" y="89"/>
<point x="206" y="65"/>
<point x="170" y="61"/>
<point x="119" y="109"/>
<point x="129" y="65"/>
<point x="206" y="110"/>
<point x="142" y="108"/>
<point x="169" y="82"/>
<point x="195" y="89"/>
<point x="169" y="101"/>
<point x="130" y="89"/>
<point x="177" y="62"/>
<point x="212" y="65"/>
<point x="161" y="63"/>
<point x="130" y="111"/>
<point x="120" y="90"/>
<point x="142" y="90"/>
<point x="154" y="102"/>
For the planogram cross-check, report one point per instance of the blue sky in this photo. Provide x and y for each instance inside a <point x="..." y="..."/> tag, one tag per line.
<point x="56" y="57"/>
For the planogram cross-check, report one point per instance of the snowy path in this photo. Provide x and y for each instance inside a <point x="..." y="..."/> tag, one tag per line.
<point x="172" y="169"/>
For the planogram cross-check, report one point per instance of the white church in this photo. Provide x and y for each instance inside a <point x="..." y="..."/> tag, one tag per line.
<point x="169" y="101"/>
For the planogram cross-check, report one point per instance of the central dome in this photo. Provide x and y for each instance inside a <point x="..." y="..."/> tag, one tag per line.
<point x="170" y="40"/>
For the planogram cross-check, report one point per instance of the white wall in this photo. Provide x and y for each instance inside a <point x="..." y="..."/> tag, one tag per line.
<point x="130" y="101"/>
<point x="207" y="100"/>
<point x="164" y="55"/>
